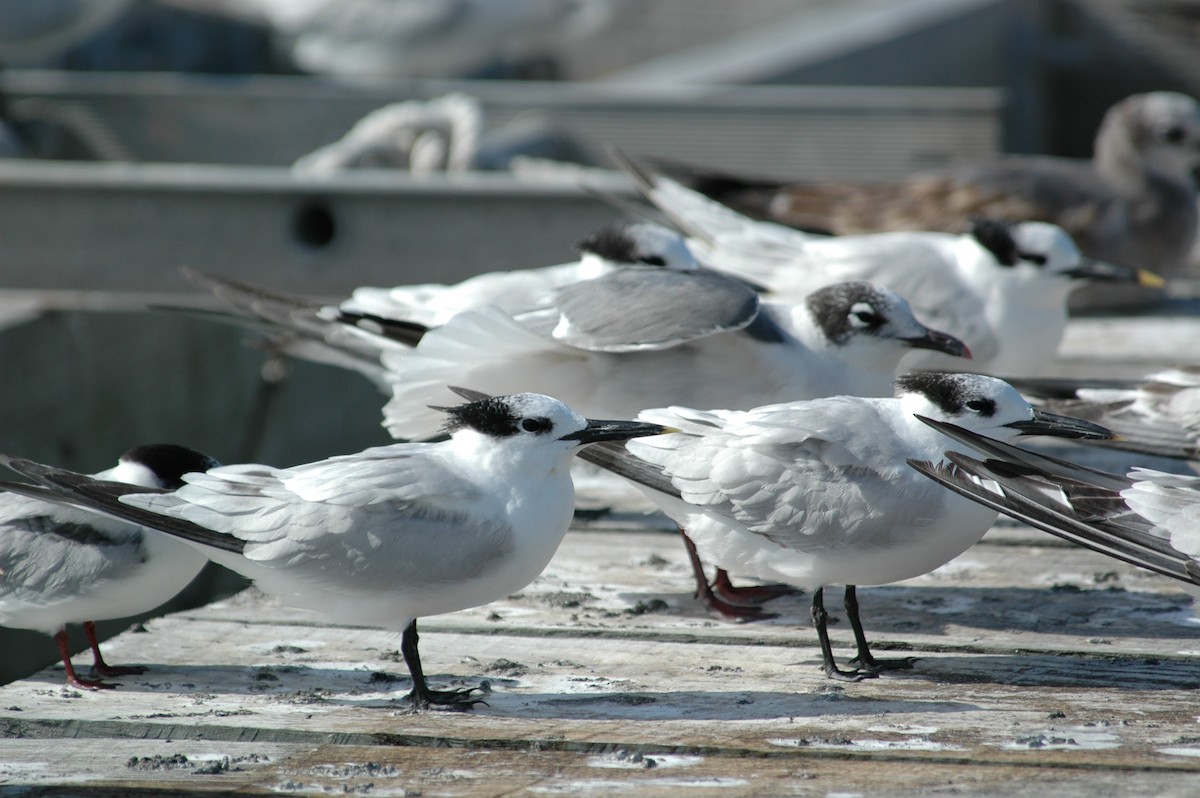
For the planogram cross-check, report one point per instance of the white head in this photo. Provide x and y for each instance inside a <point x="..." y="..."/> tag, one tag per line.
<point x="985" y="405"/>
<point x="1041" y="249"/>
<point x="534" y="421"/>
<point x="640" y="244"/>
<point x="865" y="320"/>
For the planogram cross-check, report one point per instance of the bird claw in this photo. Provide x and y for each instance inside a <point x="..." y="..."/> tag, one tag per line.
<point x="874" y="666"/>
<point x="729" y="611"/>
<point x="856" y="675"/>
<point x="104" y="669"/>
<point x="80" y="683"/>
<point x="458" y="700"/>
<point x="749" y="594"/>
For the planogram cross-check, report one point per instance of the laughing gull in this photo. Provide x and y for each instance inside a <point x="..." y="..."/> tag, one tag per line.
<point x="354" y="333"/>
<point x="385" y="536"/>
<point x="819" y="492"/>
<point x="1002" y="287"/>
<point x="1133" y="202"/>
<point x="62" y="564"/>
<point x="1157" y="415"/>
<point x="1146" y="518"/>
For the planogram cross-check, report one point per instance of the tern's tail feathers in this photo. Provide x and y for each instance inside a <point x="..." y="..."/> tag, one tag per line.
<point x="1095" y="517"/>
<point x="80" y="490"/>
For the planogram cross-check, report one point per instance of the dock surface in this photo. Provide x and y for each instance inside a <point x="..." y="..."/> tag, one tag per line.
<point x="1044" y="669"/>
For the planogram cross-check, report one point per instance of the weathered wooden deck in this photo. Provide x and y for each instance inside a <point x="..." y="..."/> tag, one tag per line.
<point x="1044" y="670"/>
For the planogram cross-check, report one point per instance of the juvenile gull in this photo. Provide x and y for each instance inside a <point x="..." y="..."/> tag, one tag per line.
<point x="1133" y="202"/>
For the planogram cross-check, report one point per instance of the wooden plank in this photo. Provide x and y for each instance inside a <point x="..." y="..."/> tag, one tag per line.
<point x="1040" y="664"/>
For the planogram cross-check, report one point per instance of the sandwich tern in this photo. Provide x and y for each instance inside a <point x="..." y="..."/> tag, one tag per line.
<point x="819" y="492"/>
<point x="385" y="536"/>
<point x="353" y="333"/>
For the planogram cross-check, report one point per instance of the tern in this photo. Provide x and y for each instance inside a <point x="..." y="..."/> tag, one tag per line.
<point x="1146" y="517"/>
<point x="385" y="536"/>
<point x="62" y="564"/>
<point x="1134" y="202"/>
<point x="645" y="336"/>
<point x="356" y="331"/>
<point x="819" y="492"/>
<point x="1002" y="287"/>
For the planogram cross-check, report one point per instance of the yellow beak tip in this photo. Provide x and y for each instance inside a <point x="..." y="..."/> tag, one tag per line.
<point x="1148" y="279"/>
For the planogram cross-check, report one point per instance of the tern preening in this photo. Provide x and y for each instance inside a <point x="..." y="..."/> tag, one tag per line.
<point x="60" y="564"/>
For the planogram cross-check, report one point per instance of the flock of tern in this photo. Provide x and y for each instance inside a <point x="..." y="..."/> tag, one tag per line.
<point x="795" y="402"/>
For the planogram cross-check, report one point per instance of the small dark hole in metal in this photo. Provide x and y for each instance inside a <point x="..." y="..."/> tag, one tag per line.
<point x="314" y="225"/>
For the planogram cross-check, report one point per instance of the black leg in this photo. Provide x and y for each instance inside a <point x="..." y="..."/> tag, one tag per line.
<point x="865" y="659"/>
<point x="820" y="619"/>
<point x="421" y="696"/>
<point x="718" y="607"/>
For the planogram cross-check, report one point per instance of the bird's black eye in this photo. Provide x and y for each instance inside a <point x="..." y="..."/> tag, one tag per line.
<point x="1174" y="135"/>
<point x="535" y="424"/>
<point x="984" y="407"/>
<point x="1032" y="257"/>
<point x="653" y="260"/>
<point x="868" y="318"/>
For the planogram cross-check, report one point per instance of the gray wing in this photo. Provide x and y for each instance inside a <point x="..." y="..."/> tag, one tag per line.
<point x="645" y="308"/>
<point x="1089" y="515"/>
<point x="791" y="473"/>
<point x="1085" y="505"/>
<point x="376" y="520"/>
<point x="47" y="551"/>
<point x="302" y="328"/>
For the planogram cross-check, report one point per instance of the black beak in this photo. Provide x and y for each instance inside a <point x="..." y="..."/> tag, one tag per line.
<point x="1061" y="427"/>
<point x="597" y="431"/>
<point x="1103" y="271"/>
<point x="940" y="342"/>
